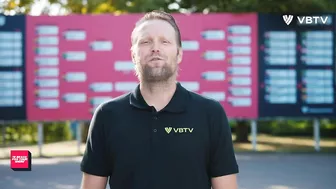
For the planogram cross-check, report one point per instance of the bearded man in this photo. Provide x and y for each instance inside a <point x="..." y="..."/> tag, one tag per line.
<point x="161" y="135"/>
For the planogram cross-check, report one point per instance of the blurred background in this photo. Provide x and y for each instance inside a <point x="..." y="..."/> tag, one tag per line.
<point x="60" y="59"/>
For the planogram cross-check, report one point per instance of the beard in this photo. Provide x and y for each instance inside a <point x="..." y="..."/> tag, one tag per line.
<point x="153" y="74"/>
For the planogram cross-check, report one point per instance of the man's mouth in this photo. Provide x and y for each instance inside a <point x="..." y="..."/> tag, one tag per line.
<point x="155" y="58"/>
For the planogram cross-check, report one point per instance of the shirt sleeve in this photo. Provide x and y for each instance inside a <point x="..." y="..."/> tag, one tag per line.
<point x="95" y="161"/>
<point x="222" y="156"/>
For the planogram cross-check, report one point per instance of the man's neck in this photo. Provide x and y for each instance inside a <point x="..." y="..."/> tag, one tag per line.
<point x="158" y="94"/>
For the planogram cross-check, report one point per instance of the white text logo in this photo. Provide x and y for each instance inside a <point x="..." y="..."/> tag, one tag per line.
<point x="312" y="20"/>
<point x="308" y="20"/>
<point x="19" y="159"/>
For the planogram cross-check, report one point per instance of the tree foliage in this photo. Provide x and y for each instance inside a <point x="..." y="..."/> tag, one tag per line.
<point x="205" y="6"/>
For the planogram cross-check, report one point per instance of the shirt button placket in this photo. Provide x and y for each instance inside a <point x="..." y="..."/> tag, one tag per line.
<point x="155" y="123"/>
<point x="155" y="134"/>
<point x="154" y="145"/>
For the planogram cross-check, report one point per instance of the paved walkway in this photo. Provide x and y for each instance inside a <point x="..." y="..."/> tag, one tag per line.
<point x="257" y="171"/>
<point x="69" y="148"/>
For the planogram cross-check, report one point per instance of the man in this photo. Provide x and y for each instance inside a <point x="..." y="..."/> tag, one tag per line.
<point x="160" y="136"/>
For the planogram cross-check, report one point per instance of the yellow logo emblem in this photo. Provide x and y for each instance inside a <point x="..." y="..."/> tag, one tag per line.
<point x="168" y="129"/>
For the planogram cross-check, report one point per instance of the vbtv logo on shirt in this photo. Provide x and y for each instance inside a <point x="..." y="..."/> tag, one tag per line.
<point x="178" y="130"/>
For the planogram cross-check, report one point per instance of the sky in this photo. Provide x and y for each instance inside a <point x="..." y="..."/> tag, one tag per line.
<point x="56" y="9"/>
<point x="40" y="4"/>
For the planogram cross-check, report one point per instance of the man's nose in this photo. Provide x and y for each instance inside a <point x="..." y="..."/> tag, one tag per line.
<point x="155" y="47"/>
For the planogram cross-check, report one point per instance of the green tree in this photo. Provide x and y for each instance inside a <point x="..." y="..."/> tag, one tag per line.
<point x="266" y="6"/>
<point x="16" y="7"/>
<point x="134" y="6"/>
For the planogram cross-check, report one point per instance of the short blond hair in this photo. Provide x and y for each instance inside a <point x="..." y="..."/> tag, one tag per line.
<point x="158" y="15"/>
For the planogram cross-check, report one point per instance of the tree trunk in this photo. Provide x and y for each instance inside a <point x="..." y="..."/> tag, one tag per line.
<point x="242" y="131"/>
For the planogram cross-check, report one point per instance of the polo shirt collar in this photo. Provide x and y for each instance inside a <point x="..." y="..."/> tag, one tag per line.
<point x="177" y="104"/>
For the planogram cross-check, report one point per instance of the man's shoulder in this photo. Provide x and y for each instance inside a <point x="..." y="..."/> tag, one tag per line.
<point x="115" y="103"/>
<point x="204" y="101"/>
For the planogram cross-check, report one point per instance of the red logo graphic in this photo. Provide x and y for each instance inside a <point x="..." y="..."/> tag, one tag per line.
<point x="20" y="160"/>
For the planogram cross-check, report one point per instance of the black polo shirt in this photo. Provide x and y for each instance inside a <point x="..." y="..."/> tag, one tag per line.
<point x="179" y="147"/>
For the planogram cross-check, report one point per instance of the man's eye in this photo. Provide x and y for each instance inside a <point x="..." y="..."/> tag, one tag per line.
<point x="144" y="42"/>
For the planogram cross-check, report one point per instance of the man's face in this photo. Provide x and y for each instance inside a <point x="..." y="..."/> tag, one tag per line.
<point x="155" y="52"/>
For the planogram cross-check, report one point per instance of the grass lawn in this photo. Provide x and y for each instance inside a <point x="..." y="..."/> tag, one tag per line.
<point x="267" y="143"/>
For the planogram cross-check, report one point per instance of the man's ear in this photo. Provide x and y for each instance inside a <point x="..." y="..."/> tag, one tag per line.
<point x="132" y="54"/>
<point x="179" y="55"/>
<point x="133" y="59"/>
